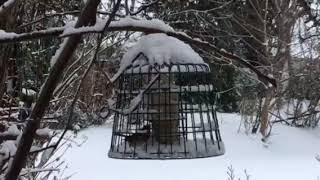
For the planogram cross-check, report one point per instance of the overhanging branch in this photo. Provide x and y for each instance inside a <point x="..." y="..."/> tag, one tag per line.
<point x="60" y="31"/>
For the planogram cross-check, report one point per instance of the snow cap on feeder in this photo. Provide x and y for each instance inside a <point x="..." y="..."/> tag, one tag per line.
<point x="159" y="49"/>
<point x="164" y="106"/>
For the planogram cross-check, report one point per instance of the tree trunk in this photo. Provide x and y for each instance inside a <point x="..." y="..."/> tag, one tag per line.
<point x="281" y="62"/>
<point x="3" y="70"/>
<point x="8" y="23"/>
<point x="264" y="118"/>
<point x="87" y="17"/>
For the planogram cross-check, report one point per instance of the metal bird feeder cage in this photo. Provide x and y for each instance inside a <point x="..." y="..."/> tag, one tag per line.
<point x="165" y="112"/>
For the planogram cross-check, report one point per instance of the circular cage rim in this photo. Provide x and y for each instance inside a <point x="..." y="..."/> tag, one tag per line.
<point x="158" y="68"/>
<point x="131" y="156"/>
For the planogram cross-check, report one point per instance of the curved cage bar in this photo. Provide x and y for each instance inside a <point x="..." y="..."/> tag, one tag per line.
<point x="165" y="112"/>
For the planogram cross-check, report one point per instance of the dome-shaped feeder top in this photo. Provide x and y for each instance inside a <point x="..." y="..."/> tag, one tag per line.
<point x="158" y="49"/>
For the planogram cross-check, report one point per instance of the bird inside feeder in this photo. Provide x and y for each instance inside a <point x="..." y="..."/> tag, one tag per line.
<point x="164" y="106"/>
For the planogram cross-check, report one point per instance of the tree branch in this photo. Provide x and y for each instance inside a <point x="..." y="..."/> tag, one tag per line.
<point x="146" y="28"/>
<point x="87" y="16"/>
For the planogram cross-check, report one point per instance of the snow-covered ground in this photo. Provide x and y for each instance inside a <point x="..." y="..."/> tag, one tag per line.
<point x="290" y="154"/>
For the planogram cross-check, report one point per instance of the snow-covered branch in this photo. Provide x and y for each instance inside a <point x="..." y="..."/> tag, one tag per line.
<point x="6" y="37"/>
<point x="124" y="24"/>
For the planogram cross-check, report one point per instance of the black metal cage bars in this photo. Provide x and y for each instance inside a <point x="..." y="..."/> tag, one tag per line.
<point x="165" y="112"/>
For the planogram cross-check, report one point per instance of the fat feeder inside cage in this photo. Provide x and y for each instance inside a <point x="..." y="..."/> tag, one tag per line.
<point x="164" y="107"/>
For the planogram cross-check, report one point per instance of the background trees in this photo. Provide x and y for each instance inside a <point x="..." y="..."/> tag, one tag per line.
<point x="262" y="32"/>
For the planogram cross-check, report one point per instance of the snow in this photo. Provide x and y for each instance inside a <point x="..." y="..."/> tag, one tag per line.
<point x="68" y="29"/>
<point x="160" y="49"/>
<point x="7" y="149"/>
<point x="152" y="24"/>
<point x="34" y="170"/>
<point x="58" y="52"/>
<point x="13" y="130"/>
<point x="290" y="154"/>
<point x="8" y="35"/>
<point x="128" y="21"/>
<point x="204" y="149"/>
<point x="293" y="108"/>
<point x="35" y="148"/>
<point x="28" y="92"/>
<point x="44" y="132"/>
